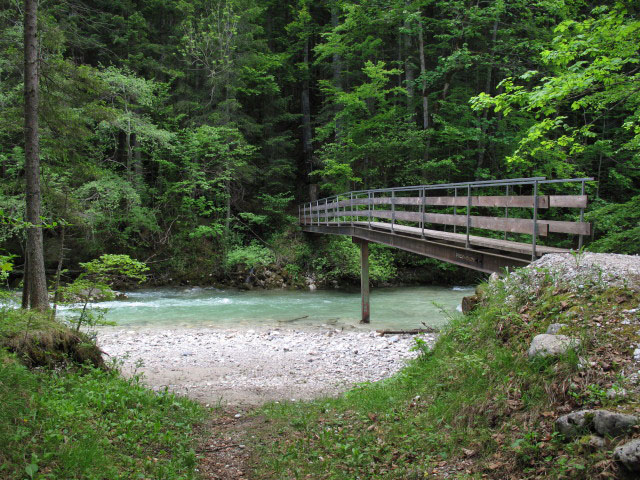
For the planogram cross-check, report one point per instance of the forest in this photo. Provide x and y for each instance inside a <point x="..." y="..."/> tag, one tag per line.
<point x="185" y="133"/>
<point x="172" y="142"/>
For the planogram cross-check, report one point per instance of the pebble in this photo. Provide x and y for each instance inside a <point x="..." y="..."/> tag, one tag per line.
<point x="252" y="366"/>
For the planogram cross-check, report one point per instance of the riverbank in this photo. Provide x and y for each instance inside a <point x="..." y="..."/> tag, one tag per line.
<point x="484" y="403"/>
<point x="245" y="367"/>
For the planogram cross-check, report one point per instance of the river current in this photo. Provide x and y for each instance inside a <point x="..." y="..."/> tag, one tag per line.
<point x="401" y="307"/>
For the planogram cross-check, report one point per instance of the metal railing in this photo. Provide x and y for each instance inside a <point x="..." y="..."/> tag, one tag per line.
<point x="335" y="207"/>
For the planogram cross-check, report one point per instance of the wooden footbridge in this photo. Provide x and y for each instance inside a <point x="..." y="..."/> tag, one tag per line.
<point x="457" y="222"/>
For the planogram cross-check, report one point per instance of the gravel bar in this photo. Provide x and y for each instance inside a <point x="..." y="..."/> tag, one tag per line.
<point x="248" y="367"/>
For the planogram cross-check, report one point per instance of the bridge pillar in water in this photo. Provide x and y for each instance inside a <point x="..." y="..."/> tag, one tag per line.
<point x="364" y="278"/>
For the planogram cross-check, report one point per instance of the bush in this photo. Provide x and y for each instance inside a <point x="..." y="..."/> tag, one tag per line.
<point x="252" y="256"/>
<point x="339" y="259"/>
<point x="619" y="224"/>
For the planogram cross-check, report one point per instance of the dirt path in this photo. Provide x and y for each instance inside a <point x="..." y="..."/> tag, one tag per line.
<point x="223" y="454"/>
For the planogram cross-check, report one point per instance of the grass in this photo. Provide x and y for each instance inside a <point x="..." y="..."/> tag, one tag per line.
<point x="475" y="406"/>
<point x="77" y="421"/>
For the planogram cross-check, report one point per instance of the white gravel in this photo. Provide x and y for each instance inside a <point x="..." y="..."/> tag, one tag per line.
<point x="611" y="268"/>
<point x="250" y="367"/>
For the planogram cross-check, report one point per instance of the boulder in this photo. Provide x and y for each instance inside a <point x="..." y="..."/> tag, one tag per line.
<point x="629" y="455"/>
<point x="616" y="393"/>
<point x="596" y="442"/>
<point x="613" y="424"/>
<point x="554" y="328"/>
<point x="575" y="423"/>
<point x="546" y="345"/>
<point x="469" y="303"/>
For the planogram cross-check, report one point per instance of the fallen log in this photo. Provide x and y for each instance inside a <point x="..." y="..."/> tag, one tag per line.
<point x="414" y="331"/>
<point x="293" y="319"/>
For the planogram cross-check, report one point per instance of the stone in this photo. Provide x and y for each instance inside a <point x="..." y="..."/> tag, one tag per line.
<point x="574" y="423"/>
<point x="615" y="393"/>
<point x="596" y="442"/>
<point x="613" y="424"/>
<point x="554" y="328"/>
<point x="629" y="455"/>
<point x="546" y="345"/>
<point x="469" y="303"/>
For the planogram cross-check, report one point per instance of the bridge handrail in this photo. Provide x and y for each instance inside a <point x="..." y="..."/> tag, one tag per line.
<point x="535" y="182"/>
<point x="475" y="184"/>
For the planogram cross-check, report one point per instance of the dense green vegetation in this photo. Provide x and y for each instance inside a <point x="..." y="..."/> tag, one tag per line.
<point x="179" y="130"/>
<point x="474" y="406"/>
<point x="73" y="418"/>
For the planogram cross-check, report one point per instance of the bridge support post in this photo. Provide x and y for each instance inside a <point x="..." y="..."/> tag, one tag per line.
<point x="364" y="279"/>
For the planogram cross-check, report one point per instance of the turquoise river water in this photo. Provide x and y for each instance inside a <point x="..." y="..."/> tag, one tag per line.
<point x="401" y="307"/>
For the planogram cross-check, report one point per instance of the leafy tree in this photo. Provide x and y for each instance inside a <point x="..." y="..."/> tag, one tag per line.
<point x="585" y="106"/>
<point x="98" y="277"/>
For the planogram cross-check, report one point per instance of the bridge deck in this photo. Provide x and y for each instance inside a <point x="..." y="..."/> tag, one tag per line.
<point x="460" y="238"/>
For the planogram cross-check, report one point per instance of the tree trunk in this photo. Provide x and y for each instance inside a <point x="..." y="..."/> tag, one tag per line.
<point x="307" y="134"/>
<point x="336" y="66"/>
<point x="138" y="167"/>
<point x="56" y="290"/>
<point x="409" y="73"/>
<point x="36" y="280"/>
<point x="25" y="281"/>
<point x="482" y="142"/>
<point x="423" y="73"/>
<point x="425" y="98"/>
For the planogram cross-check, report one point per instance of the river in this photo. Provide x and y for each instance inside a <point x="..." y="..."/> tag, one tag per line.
<point x="398" y="307"/>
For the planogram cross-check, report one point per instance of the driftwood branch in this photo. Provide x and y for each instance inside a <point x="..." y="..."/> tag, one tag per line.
<point x="293" y="319"/>
<point x="414" y="331"/>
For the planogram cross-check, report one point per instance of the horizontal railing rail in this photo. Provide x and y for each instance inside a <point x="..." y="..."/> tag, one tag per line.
<point x="351" y="207"/>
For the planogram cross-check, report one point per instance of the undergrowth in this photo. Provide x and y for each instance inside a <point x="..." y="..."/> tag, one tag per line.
<point x="88" y="423"/>
<point x="475" y="406"/>
<point x="65" y="415"/>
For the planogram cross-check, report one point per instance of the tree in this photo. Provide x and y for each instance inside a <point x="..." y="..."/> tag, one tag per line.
<point x="585" y="104"/>
<point x="35" y="281"/>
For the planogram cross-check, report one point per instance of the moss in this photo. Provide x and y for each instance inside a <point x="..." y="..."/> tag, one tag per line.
<point x="37" y="341"/>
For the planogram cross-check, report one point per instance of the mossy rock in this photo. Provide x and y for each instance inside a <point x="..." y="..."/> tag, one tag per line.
<point x="53" y="347"/>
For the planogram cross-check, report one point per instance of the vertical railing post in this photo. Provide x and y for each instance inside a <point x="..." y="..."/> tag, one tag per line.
<point x="337" y="211"/>
<point x="467" y="243"/>
<point x="535" y="220"/>
<point x="369" y="206"/>
<point x="393" y="210"/>
<point x="581" y="237"/>
<point x="423" y="199"/>
<point x="455" y="208"/>
<point x="506" y="209"/>
<point x="351" y="207"/>
<point x="326" y="210"/>
<point x="318" y="210"/>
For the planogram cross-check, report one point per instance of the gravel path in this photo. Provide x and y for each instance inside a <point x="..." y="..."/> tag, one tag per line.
<point x="244" y="367"/>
